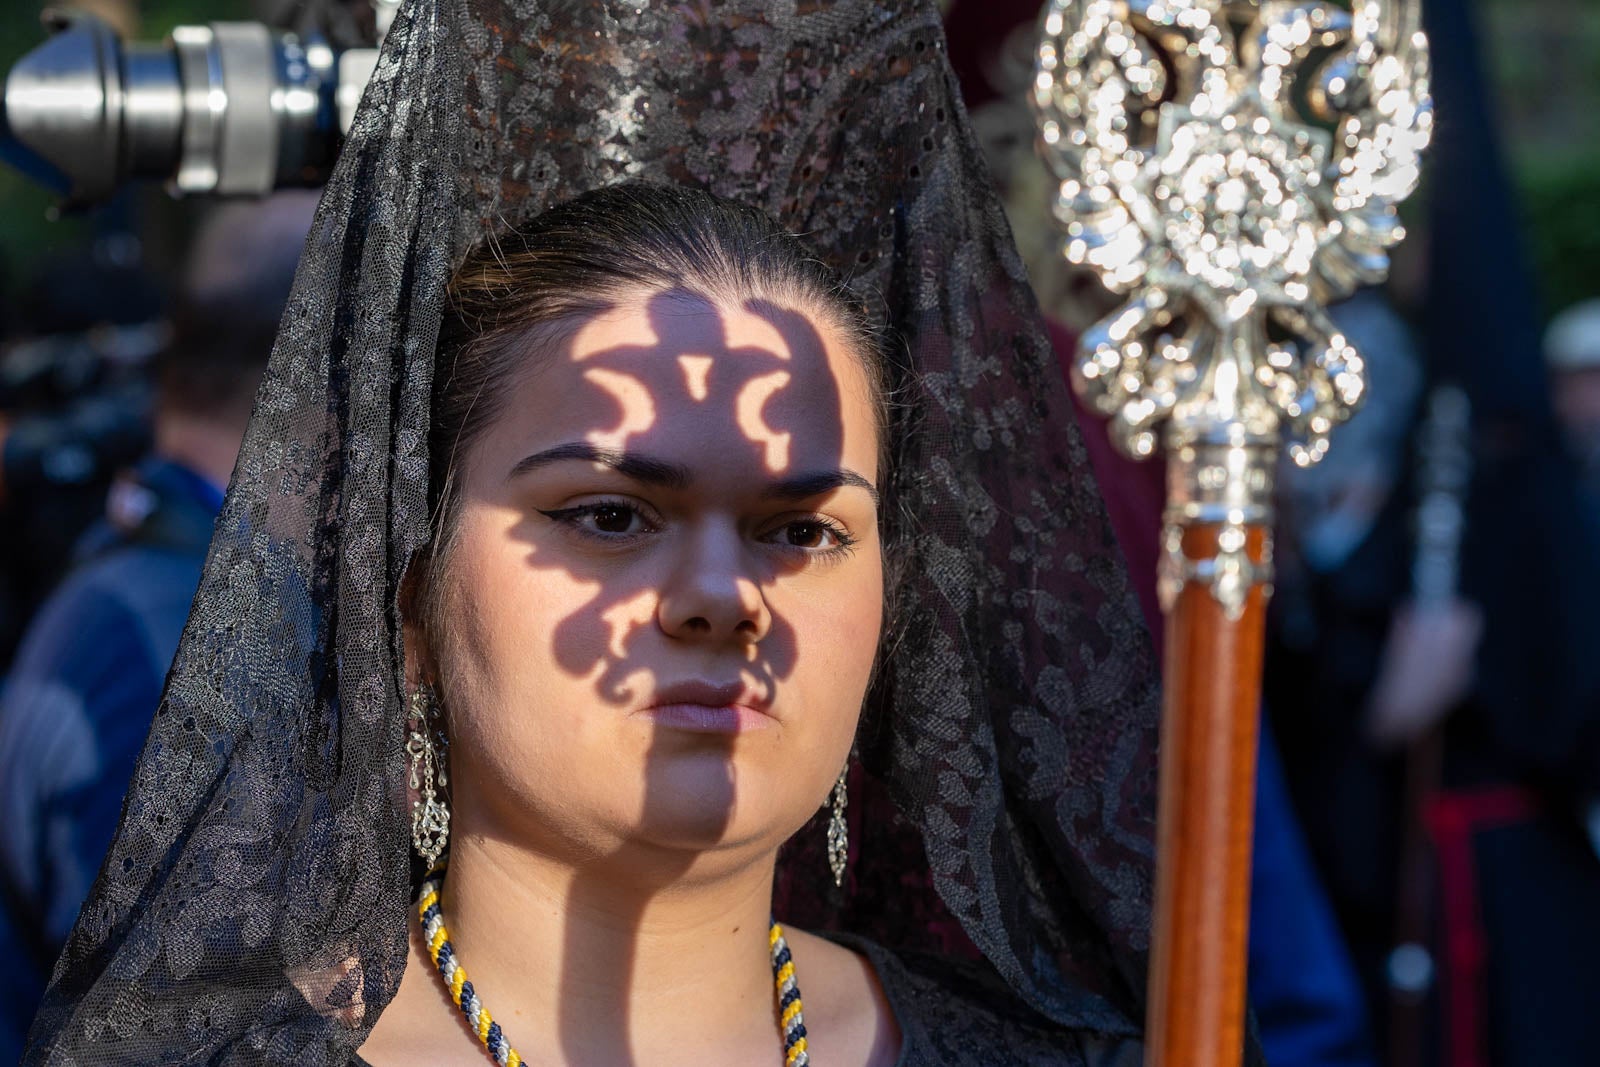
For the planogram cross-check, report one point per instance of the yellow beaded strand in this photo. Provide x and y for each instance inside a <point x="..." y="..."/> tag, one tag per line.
<point x="455" y="976"/>
<point x="791" y="1019"/>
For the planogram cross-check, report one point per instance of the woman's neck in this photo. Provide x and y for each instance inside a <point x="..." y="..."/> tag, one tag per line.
<point x="611" y="968"/>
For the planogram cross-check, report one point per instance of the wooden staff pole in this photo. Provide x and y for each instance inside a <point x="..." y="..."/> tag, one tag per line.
<point x="1208" y="747"/>
<point x="1215" y="575"/>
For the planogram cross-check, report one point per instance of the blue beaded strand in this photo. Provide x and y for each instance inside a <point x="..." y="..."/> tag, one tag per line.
<point x="791" y="1018"/>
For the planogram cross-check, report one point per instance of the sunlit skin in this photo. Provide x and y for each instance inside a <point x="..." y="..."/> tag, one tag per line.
<point x="661" y="609"/>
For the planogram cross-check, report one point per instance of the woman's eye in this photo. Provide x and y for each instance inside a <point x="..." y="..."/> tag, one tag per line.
<point x="613" y="518"/>
<point x="602" y="520"/>
<point x="807" y="535"/>
<point x="812" y="535"/>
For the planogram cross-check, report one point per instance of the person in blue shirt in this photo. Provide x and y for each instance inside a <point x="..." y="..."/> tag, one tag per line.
<point x="89" y="672"/>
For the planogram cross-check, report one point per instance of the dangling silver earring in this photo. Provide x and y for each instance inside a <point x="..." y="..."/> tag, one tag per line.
<point x="430" y="818"/>
<point x="838" y="831"/>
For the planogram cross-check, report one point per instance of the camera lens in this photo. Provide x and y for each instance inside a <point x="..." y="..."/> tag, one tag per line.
<point x="230" y="108"/>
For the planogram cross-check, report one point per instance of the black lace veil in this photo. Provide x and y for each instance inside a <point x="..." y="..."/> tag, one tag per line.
<point x="253" y="905"/>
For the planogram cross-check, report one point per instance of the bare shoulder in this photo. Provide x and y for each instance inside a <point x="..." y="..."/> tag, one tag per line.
<point x="848" y="1016"/>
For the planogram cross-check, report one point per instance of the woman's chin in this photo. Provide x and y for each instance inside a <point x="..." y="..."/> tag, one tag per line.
<point x="703" y="804"/>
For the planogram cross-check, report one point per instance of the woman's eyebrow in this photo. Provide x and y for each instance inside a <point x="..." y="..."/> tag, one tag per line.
<point x="815" y="483"/>
<point x="639" y="468"/>
<point x="659" y="472"/>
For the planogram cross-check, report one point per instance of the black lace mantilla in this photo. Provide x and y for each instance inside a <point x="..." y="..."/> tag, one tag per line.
<point x="253" y="905"/>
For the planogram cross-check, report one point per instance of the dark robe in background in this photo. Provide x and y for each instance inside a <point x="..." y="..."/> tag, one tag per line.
<point x="1511" y="900"/>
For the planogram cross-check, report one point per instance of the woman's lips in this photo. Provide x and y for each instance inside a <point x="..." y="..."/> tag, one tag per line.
<point x="705" y="719"/>
<point x="707" y="708"/>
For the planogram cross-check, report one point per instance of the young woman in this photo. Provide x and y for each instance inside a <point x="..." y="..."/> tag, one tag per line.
<point x="649" y="613"/>
<point x="589" y="524"/>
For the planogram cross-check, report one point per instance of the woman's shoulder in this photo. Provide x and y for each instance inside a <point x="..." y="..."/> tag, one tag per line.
<point x="956" y="1013"/>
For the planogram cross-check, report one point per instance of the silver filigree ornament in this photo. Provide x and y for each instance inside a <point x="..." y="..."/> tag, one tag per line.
<point x="1233" y="168"/>
<point x="425" y="749"/>
<point x="838" y="830"/>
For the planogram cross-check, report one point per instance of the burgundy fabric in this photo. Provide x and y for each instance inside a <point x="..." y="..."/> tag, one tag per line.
<point x="977" y="30"/>
<point x="1452" y="817"/>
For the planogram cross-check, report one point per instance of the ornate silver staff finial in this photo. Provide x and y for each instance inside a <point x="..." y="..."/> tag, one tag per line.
<point x="1233" y="167"/>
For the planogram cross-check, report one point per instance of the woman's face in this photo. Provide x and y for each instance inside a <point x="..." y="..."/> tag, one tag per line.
<point x="663" y="599"/>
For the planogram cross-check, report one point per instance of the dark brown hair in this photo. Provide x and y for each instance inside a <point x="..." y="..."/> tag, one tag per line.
<point x="586" y="254"/>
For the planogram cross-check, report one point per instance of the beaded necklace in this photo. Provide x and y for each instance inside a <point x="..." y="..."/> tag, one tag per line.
<point x="791" y="1020"/>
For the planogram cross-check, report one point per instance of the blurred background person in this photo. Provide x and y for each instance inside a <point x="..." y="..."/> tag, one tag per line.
<point x="89" y="671"/>
<point x="1434" y="681"/>
<point x="75" y="399"/>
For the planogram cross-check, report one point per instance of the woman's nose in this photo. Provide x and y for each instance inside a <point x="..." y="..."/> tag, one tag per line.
<point x="713" y="593"/>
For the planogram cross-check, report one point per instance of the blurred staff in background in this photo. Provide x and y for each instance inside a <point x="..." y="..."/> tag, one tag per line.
<point x="1433" y="671"/>
<point x="89" y="672"/>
